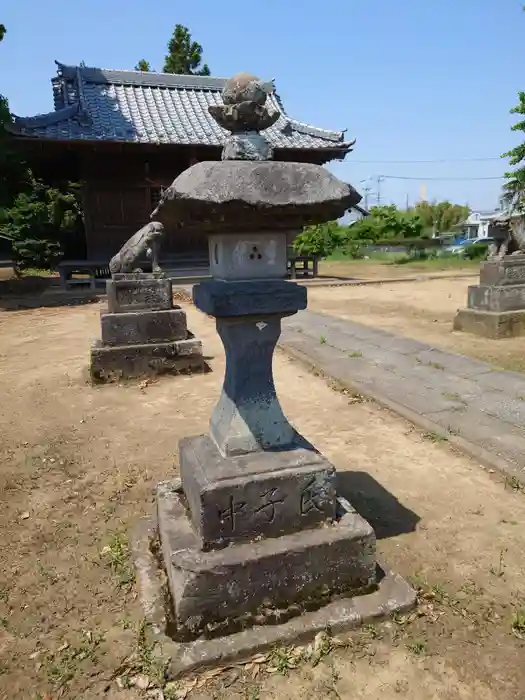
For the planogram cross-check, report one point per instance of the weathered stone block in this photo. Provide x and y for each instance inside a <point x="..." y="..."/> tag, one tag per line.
<point x="135" y="291"/>
<point x="509" y="297"/>
<point x="240" y="196"/>
<point x="250" y="256"/>
<point x="491" y="324"/>
<point x="248" y="416"/>
<point x="247" y="298"/>
<point x="508" y="270"/>
<point x="143" y="327"/>
<point x="261" y="494"/>
<point x="244" y="579"/>
<point x="128" y="361"/>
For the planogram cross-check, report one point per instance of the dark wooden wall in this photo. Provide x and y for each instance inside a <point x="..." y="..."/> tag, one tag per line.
<point x="122" y="184"/>
<point x="119" y="195"/>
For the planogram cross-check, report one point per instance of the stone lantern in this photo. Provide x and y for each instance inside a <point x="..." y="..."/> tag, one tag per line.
<point x="255" y="532"/>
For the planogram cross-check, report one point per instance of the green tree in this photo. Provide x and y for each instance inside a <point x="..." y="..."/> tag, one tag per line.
<point x="143" y="66"/>
<point x="40" y="222"/>
<point x="438" y="217"/>
<point x="320" y="240"/>
<point x="387" y="223"/>
<point x="514" y="188"/>
<point x="13" y="171"/>
<point x="184" y="55"/>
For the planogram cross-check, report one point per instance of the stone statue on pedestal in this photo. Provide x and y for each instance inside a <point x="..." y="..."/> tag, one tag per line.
<point x="508" y="233"/>
<point x="145" y="243"/>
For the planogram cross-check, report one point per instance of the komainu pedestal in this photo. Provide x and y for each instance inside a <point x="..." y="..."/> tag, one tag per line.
<point x="142" y="332"/>
<point x="496" y="306"/>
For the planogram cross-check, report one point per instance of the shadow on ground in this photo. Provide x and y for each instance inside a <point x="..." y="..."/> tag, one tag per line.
<point x="375" y="504"/>
<point x="34" y="292"/>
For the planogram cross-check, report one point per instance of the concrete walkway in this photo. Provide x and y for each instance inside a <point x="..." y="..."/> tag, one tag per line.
<point x="477" y="408"/>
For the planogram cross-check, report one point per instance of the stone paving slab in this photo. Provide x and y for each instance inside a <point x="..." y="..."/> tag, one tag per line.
<point x="476" y="407"/>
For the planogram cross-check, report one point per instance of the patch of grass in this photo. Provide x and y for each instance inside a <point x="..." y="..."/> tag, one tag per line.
<point x="433" y="437"/>
<point x="417" y="647"/>
<point x="282" y="660"/>
<point x="144" y="661"/>
<point x="147" y="661"/>
<point x="436" y="365"/>
<point x="117" y="557"/>
<point x="322" y="340"/>
<point x="453" y="396"/>
<point x="371" y="631"/>
<point x="355" y="354"/>
<point x="518" y="623"/>
<point x="37" y="272"/>
<point x="64" y="665"/>
<point x="514" y="484"/>
<point x="499" y="570"/>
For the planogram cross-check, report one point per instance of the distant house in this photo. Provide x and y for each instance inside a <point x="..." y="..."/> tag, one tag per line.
<point x="477" y="224"/>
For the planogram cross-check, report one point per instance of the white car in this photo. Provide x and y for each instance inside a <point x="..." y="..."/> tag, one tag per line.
<point x="459" y="248"/>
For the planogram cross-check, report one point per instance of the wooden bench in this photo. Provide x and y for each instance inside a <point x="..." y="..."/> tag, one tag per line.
<point x="86" y="273"/>
<point x="303" y="266"/>
<point x="94" y="273"/>
<point x="6" y="264"/>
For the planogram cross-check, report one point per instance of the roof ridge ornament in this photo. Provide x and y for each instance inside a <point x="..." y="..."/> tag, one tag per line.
<point x="244" y="114"/>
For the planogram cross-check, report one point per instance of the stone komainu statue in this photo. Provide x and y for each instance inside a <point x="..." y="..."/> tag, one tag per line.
<point x="145" y="244"/>
<point x="508" y="233"/>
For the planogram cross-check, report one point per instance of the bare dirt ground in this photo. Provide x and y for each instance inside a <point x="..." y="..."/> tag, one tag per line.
<point x="422" y="310"/>
<point x="372" y="269"/>
<point x="77" y="469"/>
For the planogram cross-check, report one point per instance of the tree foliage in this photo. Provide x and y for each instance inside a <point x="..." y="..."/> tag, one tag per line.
<point x="40" y="221"/>
<point x="35" y="220"/>
<point x="13" y="171"/>
<point x="184" y="55"/>
<point x="439" y="217"/>
<point x="321" y="240"/>
<point x="387" y="222"/>
<point x="514" y="188"/>
<point x="143" y="66"/>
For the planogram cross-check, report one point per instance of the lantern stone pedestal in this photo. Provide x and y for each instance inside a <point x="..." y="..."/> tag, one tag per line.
<point x="496" y="306"/>
<point x="255" y="543"/>
<point x="142" y="332"/>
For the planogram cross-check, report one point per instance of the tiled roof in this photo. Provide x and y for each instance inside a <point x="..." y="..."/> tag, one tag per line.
<point x="92" y="104"/>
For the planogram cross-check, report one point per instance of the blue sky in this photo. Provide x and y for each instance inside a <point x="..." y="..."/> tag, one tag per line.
<point x="410" y="80"/>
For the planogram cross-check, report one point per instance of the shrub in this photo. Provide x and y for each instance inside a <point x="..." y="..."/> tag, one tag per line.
<point x="354" y="249"/>
<point x="475" y="251"/>
<point x="40" y="254"/>
<point x="320" y="240"/>
<point x="40" y="223"/>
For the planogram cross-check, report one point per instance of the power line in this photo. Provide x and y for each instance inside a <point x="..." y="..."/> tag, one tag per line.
<point x="439" y="160"/>
<point x="403" y="177"/>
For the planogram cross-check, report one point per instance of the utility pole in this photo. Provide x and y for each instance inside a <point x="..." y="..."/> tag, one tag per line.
<point x="406" y="202"/>
<point x="380" y="179"/>
<point x="366" y="190"/>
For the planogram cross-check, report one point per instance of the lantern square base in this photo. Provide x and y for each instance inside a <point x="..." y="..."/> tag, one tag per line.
<point x="260" y="494"/>
<point x="263" y="581"/>
<point x="393" y="594"/>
